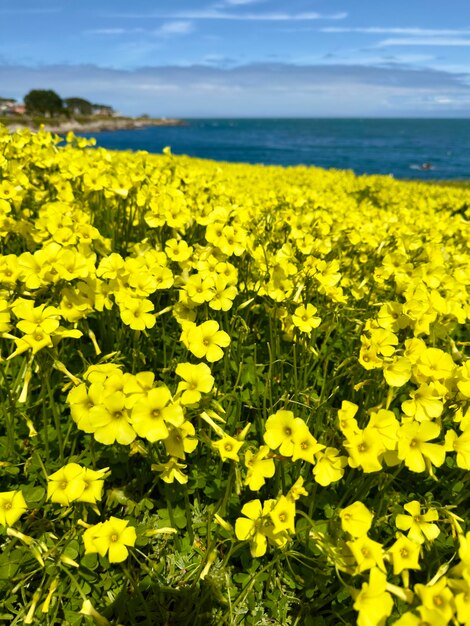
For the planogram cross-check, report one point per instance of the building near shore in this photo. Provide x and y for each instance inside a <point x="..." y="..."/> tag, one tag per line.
<point x="9" y="106"/>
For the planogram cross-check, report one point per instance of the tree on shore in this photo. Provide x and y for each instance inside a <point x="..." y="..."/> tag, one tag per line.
<point x="103" y="109"/>
<point x="78" y="106"/>
<point x="43" y="102"/>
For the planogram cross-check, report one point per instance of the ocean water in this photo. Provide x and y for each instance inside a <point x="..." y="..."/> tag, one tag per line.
<point x="404" y="148"/>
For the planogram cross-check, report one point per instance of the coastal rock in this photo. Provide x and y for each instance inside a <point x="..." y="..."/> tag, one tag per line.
<point x="96" y="126"/>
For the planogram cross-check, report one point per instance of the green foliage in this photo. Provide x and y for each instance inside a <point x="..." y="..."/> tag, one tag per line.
<point x="78" y="106"/>
<point x="43" y="101"/>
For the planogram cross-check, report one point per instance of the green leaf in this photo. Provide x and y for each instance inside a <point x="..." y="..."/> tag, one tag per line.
<point x="71" y="549"/>
<point x="90" y="561"/>
<point x="33" y="495"/>
<point x="179" y="517"/>
<point x="10" y="562"/>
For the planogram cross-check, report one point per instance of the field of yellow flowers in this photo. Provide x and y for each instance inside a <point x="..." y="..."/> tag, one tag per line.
<point x="230" y="394"/>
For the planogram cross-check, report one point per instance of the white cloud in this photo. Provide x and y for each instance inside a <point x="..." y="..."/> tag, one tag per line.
<point x="178" y="27"/>
<point x="263" y="89"/>
<point x="236" y="3"/>
<point x="113" y="31"/>
<point x="106" y="31"/>
<point x="215" y="14"/>
<point x="181" y="27"/>
<point x="357" y="58"/>
<point x="424" y="41"/>
<point x="457" y="37"/>
<point x="159" y="87"/>
<point x="424" y="32"/>
<point x="216" y="88"/>
<point x="217" y="60"/>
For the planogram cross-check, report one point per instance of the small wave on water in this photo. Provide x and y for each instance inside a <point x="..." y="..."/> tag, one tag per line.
<point x="424" y="167"/>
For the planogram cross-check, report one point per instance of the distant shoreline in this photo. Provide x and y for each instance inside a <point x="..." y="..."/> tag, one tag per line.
<point x="95" y="125"/>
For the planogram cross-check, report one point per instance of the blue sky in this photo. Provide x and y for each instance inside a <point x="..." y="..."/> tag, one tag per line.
<point x="232" y="58"/>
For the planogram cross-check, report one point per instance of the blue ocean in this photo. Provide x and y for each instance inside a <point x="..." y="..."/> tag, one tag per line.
<point x="404" y="148"/>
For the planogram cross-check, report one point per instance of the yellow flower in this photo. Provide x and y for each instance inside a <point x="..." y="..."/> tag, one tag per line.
<point x="114" y="383"/>
<point x="249" y="528"/>
<point x="425" y="403"/>
<point x="390" y="316"/>
<point x="397" y="371"/>
<point x="405" y="554"/>
<point x="99" y="373"/>
<point x="81" y="401"/>
<point x="383" y="341"/>
<point x="207" y="341"/>
<point x="364" y="450"/>
<point x="463" y="379"/>
<point x="461" y="445"/>
<point x="171" y="471"/>
<point x="35" y="319"/>
<point x="278" y="539"/>
<point x="228" y="271"/>
<point x="88" y="610"/>
<point x="12" y="507"/>
<point x="227" y="238"/>
<point x="180" y="440"/>
<point x="110" y="267"/>
<point x="142" y="282"/>
<point x="414" y="348"/>
<point x="4" y="316"/>
<point x="197" y="379"/>
<point x="89" y="537"/>
<point x="149" y="416"/>
<point x="368" y="553"/>
<point x="368" y="355"/>
<point x="414" y="449"/>
<point x="228" y="447"/>
<point x="386" y="425"/>
<point x="35" y="342"/>
<point x="462" y="601"/>
<point x="67" y="484"/>
<point x="330" y="466"/>
<point x="110" y="421"/>
<point x="113" y="537"/>
<point x="223" y="296"/>
<point x="426" y="616"/>
<point x="136" y="387"/>
<point x="280" y="429"/>
<point x="283" y="515"/>
<point x="178" y="250"/>
<point x="304" y="318"/>
<point x="419" y="525"/>
<point x="305" y="444"/>
<point x="259" y="468"/>
<point x="297" y="490"/>
<point x="437" y="597"/>
<point x="373" y="602"/>
<point x="137" y="313"/>
<point x="200" y="289"/>
<point x="73" y="305"/>
<point x="356" y="519"/>
<point x="347" y="423"/>
<point x="434" y="364"/>
<point x="464" y="546"/>
<point x="94" y="483"/>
